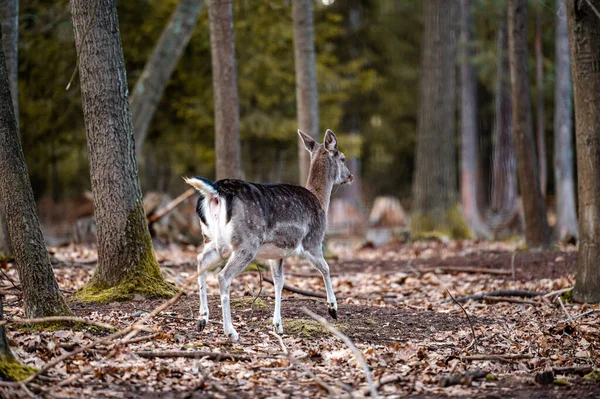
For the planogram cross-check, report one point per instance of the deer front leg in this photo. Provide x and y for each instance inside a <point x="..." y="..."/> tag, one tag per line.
<point x="239" y="259"/>
<point x="277" y="273"/>
<point x="319" y="261"/>
<point x="207" y="256"/>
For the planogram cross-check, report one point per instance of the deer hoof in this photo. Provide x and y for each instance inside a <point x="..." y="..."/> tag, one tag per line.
<point x="201" y="324"/>
<point x="332" y="311"/>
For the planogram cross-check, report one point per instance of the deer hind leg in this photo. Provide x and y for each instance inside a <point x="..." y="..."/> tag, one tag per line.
<point x="239" y="259"/>
<point x="207" y="256"/>
<point x="319" y="262"/>
<point x="277" y="273"/>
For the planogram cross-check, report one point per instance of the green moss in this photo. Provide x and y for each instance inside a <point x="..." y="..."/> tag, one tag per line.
<point x="255" y="266"/>
<point x="561" y="382"/>
<point x="12" y="370"/>
<point x="308" y="327"/>
<point x="246" y="303"/>
<point x="450" y="224"/>
<point x="567" y="297"/>
<point x="594" y="375"/>
<point x="490" y="377"/>
<point x="6" y="257"/>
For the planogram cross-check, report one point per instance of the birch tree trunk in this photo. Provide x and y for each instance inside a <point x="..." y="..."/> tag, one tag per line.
<point x="307" y="96"/>
<point x="151" y="84"/>
<point x="566" y="217"/>
<point x="227" y="111"/>
<point x="584" y="40"/>
<point x="41" y="296"/>
<point x="435" y="207"/>
<point x="126" y="262"/>
<point x="537" y="233"/>
<point x="9" y="17"/>
<point x="540" y="131"/>
<point x="469" y="161"/>
<point x="504" y="193"/>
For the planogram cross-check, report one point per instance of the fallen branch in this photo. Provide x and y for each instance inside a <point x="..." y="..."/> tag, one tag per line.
<point x="465" y="269"/>
<point x="350" y="345"/>
<point x="562" y="305"/>
<point x="297" y="290"/>
<point x="510" y="300"/>
<point x="557" y="292"/>
<point x="497" y="358"/>
<point x="518" y="293"/>
<point x="589" y="312"/>
<point x="59" y="318"/>
<point x="464" y="379"/>
<point x="171" y="205"/>
<point x="468" y="318"/>
<point x="582" y="370"/>
<point x="217" y="356"/>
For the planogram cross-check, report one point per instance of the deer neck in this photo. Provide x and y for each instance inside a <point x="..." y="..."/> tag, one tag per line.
<point x="319" y="184"/>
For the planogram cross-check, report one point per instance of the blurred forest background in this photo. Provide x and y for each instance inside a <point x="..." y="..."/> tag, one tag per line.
<point x="368" y="57"/>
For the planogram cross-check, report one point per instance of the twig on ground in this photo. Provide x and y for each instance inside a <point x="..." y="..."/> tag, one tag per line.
<point x="557" y="292"/>
<point x="498" y="358"/>
<point x="510" y="300"/>
<point x="589" y="312"/>
<point x="255" y="298"/>
<point x="465" y="269"/>
<point x="139" y="339"/>
<point x="171" y="205"/>
<point x="350" y="345"/>
<point x="465" y="378"/>
<point x="217" y="356"/>
<point x="468" y="318"/>
<point x="519" y="293"/>
<point x="297" y="290"/>
<point x="562" y="305"/>
<point x="580" y="370"/>
<point x="59" y="318"/>
<point x="9" y="279"/>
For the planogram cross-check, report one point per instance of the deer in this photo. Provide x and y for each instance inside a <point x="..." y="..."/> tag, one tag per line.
<point x="244" y="221"/>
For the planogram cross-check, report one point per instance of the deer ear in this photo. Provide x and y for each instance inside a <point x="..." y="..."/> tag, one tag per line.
<point x="330" y="141"/>
<point x="308" y="141"/>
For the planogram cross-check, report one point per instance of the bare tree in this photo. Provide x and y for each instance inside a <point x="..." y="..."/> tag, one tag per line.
<point x="307" y="96"/>
<point x="227" y="110"/>
<point x="584" y="39"/>
<point x="435" y="194"/>
<point x="566" y="217"/>
<point x="469" y="160"/>
<point x="504" y="208"/>
<point x="151" y="84"/>
<point x="537" y="233"/>
<point x="539" y="79"/>
<point x="9" y="17"/>
<point x="41" y="296"/>
<point x="126" y="262"/>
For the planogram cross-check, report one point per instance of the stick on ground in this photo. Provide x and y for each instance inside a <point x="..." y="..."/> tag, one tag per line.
<point x="59" y="318"/>
<point x="468" y="318"/>
<point x="217" y="356"/>
<point x="297" y="290"/>
<point x="518" y="293"/>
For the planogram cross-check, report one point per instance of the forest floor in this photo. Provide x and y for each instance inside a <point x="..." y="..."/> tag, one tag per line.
<point x="393" y="304"/>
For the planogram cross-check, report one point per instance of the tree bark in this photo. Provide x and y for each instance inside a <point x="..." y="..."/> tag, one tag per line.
<point x="227" y="111"/>
<point x="151" y="84"/>
<point x="9" y="15"/>
<point x="537" y="233"/>
<point x="126" y="262"/>
<point x="469" y="161"/>
<point x="435" y="205"/>
<point x="540" y="131"/>
<point x="41" y="296"/>
<point x="566" y="217"/>
<point x="504" y="192"/>
<point x="307" y="96"/>
<point x="584" y="41"/>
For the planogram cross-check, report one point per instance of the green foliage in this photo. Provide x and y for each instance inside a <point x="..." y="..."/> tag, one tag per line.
<point x="447" y="224"/>
<point x="12" y="370"/>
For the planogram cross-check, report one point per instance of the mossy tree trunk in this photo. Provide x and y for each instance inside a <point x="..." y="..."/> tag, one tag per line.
<point x="41" y="296"/>
<point x="126" y="261"/>
<point x="537" y="232"/>
<point x="435" y="194"/>
<point x="9" y="17"/>
<point x="307" y="95"/>
<point x="566" y="215"/>
<point x="584" y="40"/>
<point x="224" y="75"/>
<point x="10" y="368"/>
<point x="151" y="84"/>
<point x="469" y="159"/>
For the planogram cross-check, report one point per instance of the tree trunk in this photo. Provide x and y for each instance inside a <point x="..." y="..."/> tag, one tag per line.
<point x="469" y="162"/>
<point x="227" y="111"/>
<point x="41" y="296"/>
<point x="126" y="262"/>
<point x="584" y="40"/>
<point x="537" y="233"/>
<point x="9" y="15"/>
<point x="307" y="96"/>
<point x="539" y="78"/>
<point x="10" y="368"/>
<point x="504" y="192"/>
<point x="150" y="86"/>
<point x="435" y="207"/>
<point x="566" y="217"/>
